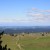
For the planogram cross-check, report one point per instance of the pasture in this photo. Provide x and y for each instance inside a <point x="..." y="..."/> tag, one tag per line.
<point x="27" y="42"/>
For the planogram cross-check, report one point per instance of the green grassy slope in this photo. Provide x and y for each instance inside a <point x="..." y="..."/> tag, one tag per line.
<point x="27" y="42"/>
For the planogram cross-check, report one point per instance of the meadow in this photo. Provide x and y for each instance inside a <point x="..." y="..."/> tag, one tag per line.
<point x="27" y="41"/>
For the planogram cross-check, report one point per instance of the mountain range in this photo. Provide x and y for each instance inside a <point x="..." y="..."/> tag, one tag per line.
<point x="20" y="29"/>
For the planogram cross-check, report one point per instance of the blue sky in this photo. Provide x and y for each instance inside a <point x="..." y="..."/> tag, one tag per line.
<point x="24" y="12"/>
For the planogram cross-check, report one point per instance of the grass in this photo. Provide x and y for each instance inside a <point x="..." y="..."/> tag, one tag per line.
<point x="27" y="42"/>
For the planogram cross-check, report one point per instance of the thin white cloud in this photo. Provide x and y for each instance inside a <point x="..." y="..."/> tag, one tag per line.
<point x="34" y="9"/>
<point x="14" y="20"/>
<point x="48" y="11"/>
<point x="36" y="16"/>
<point x="40" y="15"/>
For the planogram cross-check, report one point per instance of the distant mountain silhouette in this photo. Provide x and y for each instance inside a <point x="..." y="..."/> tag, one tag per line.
<point x="21" y="29"/>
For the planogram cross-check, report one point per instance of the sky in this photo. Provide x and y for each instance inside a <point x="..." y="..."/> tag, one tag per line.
<point x="24" y="12"/>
